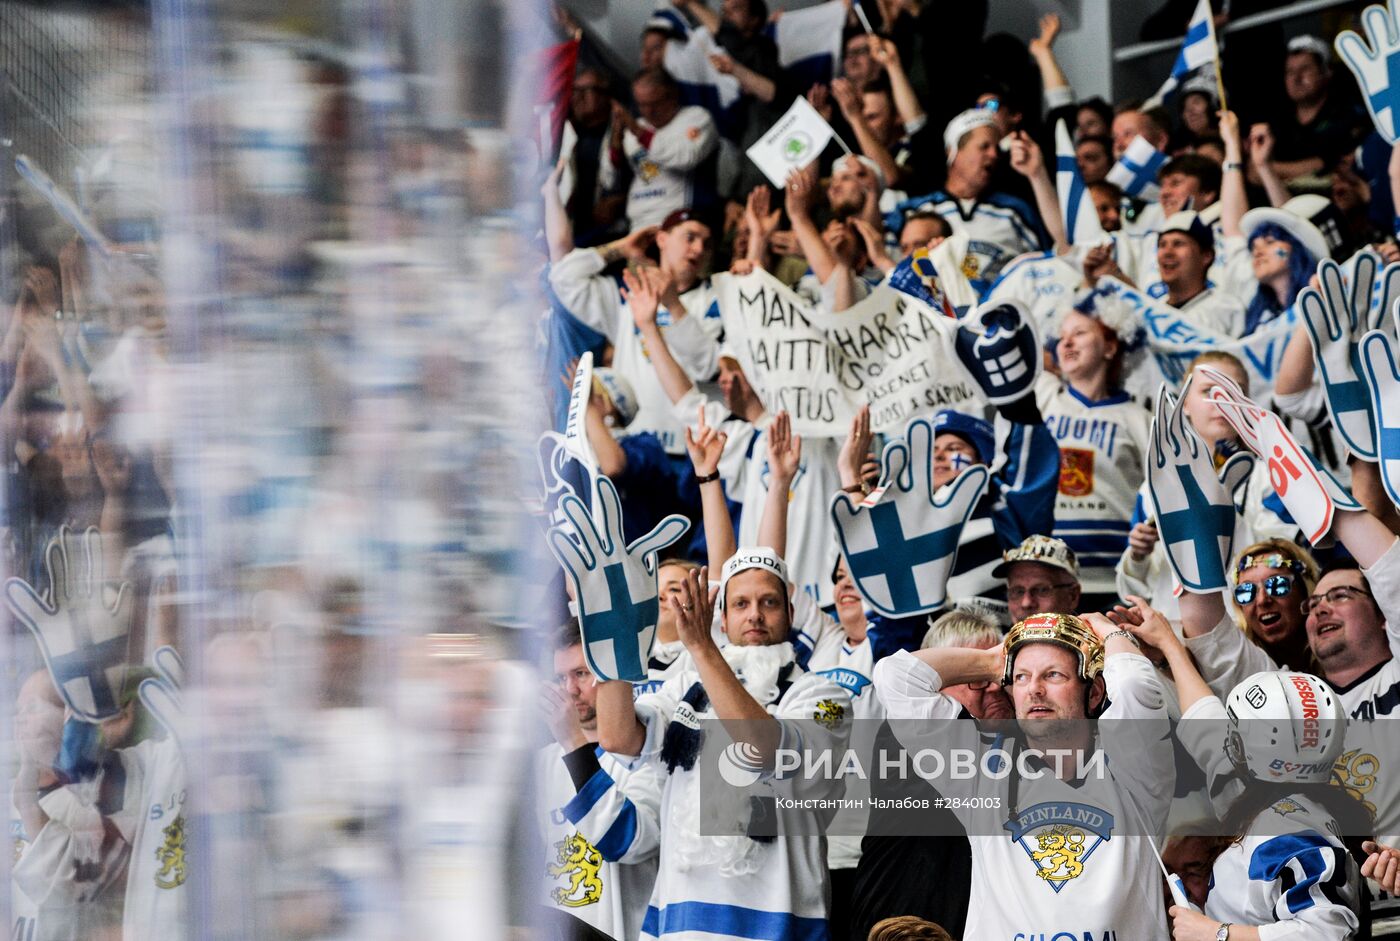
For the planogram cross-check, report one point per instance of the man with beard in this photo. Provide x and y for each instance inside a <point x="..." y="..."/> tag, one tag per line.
<point x="1059" y="671"/>
<point x="751" y="883"/>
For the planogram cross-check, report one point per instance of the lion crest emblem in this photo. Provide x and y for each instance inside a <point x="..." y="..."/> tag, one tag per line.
<point x="171" y="855"/>
<point x="576" y="863"/>
<point x="829" y="713"/>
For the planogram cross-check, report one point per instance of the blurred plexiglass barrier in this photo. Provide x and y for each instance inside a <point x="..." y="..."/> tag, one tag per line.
<point x="270" y="344"/>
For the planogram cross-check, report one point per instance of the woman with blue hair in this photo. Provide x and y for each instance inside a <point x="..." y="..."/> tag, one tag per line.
<point x="1270" y="253"/>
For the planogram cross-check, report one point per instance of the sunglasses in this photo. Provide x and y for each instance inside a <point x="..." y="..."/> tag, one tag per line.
<point x="1276" y="586"/>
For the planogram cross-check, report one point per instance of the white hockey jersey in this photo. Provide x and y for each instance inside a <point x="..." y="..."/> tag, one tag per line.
<point x="848" y="827"/>
<point x="732" y="887"/>
<point x="1103" y="450"/>
<point x="693" y="339"/>
<point x="664" y="171"/>
<point x="1290" y="873"/>
<point x="153" y="822"/>
<point x="1063" y="855"/>
<point x="601" y="853"/>
<point x="999" y="227"/>
<point x="55" y="897"/>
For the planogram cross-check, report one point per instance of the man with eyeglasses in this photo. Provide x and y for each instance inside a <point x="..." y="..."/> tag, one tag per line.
<point x="1042" y="577"/>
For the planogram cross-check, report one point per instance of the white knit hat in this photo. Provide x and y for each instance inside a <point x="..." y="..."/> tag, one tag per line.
<point x="970" y="120"/>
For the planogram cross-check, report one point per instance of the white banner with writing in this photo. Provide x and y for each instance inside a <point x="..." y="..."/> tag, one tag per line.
<point x="890" y="351"/>
<point x="1174" y="341"/>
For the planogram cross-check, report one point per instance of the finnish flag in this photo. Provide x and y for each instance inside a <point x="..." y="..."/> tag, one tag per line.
<point x="809" y="43"/>
<point x="1135" y="173"/>
<point x="688" y="61"/>
<point x="1197" y="49"/>
<point x="1077" y="209"/>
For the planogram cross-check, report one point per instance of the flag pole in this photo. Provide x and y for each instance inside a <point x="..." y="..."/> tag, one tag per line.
<point x="863" y="22"/>
<point x="1219" y="81"/>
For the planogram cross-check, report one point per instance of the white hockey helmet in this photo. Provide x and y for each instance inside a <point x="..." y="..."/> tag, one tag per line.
<point x="1285" y="727"/>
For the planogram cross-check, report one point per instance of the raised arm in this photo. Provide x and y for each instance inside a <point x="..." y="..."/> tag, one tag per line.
<point x="784" y="457"/>
<point x="750" y="82"/>
<point x="1233" y="201"/>
<point x="1056" y="87"/>
<point x="706" y="446"/>
<point x="1150" y="627"/>
<point x="1027" y="160"/>
<point x="744" y="718"/>
<point x="801" y="188"/>
<point x="906" y="100"/>
<point x="558" y="230"/>
<point x="849" y="101"/>
<point x="701" y="13"/>
<point x="643" y="289"/>
<point x="762" y="222"/>
<point x="1261" y="150"/>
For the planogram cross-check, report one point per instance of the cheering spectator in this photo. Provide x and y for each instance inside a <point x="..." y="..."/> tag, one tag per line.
<point x="1150" y="123"/>
<point x="592" y="212"/>
<point x="687" y="312"/>
<point x="601" y="812"/>
<point x="669" y="149"/>
<point x="1042" y="577"/>
<point x="1094" y="155"/>
<point x="999" y="227"/>
<point x="756" y="689"/>
<point x="929" y="876"/>
<point x="1143" y="568"/>
<point x="1102" y="434"/>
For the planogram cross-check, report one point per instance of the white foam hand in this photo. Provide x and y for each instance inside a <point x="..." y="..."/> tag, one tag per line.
<point x="1379" y="360"/>
<point x="1375" y="61"/>
<point x="1193" y="505"/>
<point x="82" y="635"/>
<point x="1309" y="491"/>
<point x="1336" y="320"/>
<point x="614" y="583"/>
<point x="900" y="542"/>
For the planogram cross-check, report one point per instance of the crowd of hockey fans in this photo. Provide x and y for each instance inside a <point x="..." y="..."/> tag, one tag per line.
<point x="1068" y="599"/>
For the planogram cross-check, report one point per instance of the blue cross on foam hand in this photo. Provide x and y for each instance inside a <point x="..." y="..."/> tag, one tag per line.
<point x="999" y="350"/>
<point x="1336" y="322"/>
<point x="1375" y="61"/>
<point x="901" y="541"/>
<point x="1194" y="508"/>
<point x="1378" y="360"/>
<point x="614" y="583"/>
<point x="82" y="637"/>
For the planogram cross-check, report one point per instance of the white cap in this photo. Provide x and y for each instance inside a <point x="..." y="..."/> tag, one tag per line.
<point x="1311" y="44"/>
<point x="752" y="557"/>
<point x="866" y="161"/>
<point x="970" y="120"/>
<point x="624" y="398"/>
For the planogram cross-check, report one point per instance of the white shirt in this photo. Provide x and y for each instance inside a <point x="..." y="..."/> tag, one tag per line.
<point x="692" y="336"/>
<point x="1083" y="894"/>
<point x="600" y="858"/>
<point x="663" y="171"/>
<point x="730" y="887"/>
